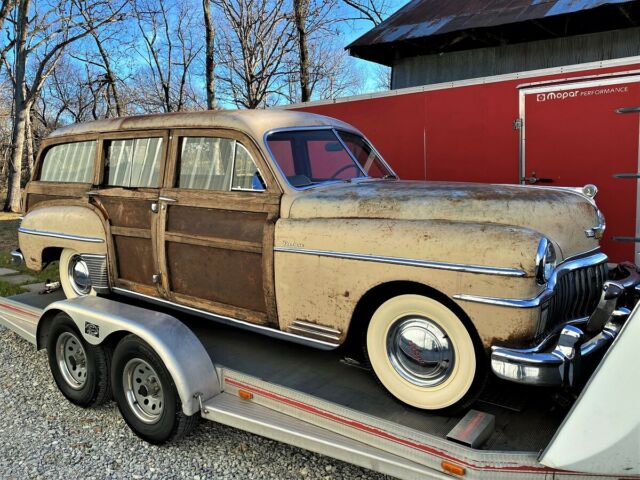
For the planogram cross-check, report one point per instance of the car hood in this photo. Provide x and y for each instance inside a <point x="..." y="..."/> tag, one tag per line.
<point x="560" y="214"/>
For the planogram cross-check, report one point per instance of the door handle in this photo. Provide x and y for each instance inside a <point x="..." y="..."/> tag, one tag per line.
<point x="628" y="110"/>
<point x="167" y="199"/>
<point x="533" y="179"/>
<point x="627" y="175"/>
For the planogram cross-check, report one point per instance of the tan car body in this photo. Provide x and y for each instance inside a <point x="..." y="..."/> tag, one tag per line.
<point x="325" y="249"/>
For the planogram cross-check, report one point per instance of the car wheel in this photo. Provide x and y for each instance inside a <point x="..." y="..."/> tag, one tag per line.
<point x="146" y="394"/>
<point x="422" y="353"/>
<point x="74" y="274"/>
<point x="81" y="371"/>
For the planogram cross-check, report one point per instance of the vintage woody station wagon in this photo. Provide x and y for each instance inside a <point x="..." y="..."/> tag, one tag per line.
<point x="292" y="225"/>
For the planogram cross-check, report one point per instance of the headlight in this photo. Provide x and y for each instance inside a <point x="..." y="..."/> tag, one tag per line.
<point x="545" y="261"/>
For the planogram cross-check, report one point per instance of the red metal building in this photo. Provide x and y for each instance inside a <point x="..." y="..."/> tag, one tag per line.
<point x="556" y="126"/>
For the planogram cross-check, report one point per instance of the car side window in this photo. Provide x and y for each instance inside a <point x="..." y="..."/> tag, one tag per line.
<point x="212" y="163"/>
<point x="133" y="162"/>
<point x="69" y="163"/>
<point x="245" y="172"/>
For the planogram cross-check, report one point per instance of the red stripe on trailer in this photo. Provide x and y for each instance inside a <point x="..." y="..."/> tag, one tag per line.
<point x="381" y="433"/>
<point x="19" y="310"/>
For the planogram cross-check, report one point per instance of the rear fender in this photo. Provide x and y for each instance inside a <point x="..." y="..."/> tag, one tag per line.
<point x="61" y="226"/>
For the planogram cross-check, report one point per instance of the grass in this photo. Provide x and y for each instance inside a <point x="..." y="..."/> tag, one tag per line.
<point x="9" y="223"/>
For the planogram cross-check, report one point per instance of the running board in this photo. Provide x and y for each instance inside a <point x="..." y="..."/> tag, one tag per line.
<point x="246" y="415"/>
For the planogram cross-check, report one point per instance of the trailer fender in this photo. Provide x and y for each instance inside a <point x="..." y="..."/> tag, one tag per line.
<point x="183" y="354"/>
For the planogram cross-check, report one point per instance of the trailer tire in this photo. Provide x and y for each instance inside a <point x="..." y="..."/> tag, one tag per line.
<point x="146" y="394"/>
<point x="448" y="379"/>
<point x="81" y="371"/>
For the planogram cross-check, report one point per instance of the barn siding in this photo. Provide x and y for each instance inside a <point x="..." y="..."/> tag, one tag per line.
<point x="484" y="62"/>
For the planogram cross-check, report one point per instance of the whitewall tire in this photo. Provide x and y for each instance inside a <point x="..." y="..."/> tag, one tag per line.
<point x="421" y="352"/>
<point x="74" y="275"/>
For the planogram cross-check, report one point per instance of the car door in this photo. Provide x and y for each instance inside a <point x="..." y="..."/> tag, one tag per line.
<point x="217" y="218"/>
<point x="131" y="174"/>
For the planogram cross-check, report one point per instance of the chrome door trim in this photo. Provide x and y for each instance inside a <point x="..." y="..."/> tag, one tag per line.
<point x="457" y="267"/>
<point x="65" y="236"/>
<point x="261" y="329"/>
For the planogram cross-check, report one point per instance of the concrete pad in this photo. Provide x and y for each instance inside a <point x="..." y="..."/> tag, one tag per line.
<point x="16" y="279"/>
<point x="7" y="271"/>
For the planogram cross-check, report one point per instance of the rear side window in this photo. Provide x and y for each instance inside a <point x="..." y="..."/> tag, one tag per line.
<point x="69" y="163"/>
<point x="133" y="162"/>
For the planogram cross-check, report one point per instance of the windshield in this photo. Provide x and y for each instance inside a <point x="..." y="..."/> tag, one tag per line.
<point x="310" y="157"/>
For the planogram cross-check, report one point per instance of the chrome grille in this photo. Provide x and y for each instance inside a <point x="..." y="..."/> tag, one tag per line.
<point x="576" y="295"/>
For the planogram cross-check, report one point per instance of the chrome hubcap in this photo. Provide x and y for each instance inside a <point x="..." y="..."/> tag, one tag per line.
<point x="72" y="360"/>
<point x="143" y="390"/>
<point x="79" y="275"/>
<point x="420" y="351"/>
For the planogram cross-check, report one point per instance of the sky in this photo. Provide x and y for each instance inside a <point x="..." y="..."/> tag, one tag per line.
<point x="357" y="29"/>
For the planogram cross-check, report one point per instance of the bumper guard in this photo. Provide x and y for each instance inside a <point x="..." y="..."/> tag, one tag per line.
<point x="557" y="360"/>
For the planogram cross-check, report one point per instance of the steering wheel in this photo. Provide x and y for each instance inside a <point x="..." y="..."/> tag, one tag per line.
<point x="342" y="169"/>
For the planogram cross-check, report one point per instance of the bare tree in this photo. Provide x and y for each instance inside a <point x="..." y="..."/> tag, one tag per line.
<point x="301" y="13"/>
<point x="5" y="9"/>
<point x="110" y="77"/>
<point x="170" y="48"/>
<point x="373" y="11"/>
<point x="40" y="39"/>
<point x="210" y="64"/>
<point x="254" y="50"/>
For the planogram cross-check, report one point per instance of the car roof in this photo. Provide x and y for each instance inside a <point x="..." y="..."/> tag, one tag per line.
<point x="253" y="122"/>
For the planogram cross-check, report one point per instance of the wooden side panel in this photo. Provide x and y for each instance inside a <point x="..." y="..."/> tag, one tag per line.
<point x="134" y="258"/>
<point x="223" y="224"/>
<point x="218" y="275"/>
<point x="128" y="212"/>
<point x="34" y="198"/>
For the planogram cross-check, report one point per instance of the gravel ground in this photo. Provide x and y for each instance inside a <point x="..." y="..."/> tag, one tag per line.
<point x="42" y="435"/>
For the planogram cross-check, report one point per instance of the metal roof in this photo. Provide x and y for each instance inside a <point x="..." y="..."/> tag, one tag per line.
<point x="426" y="18"/>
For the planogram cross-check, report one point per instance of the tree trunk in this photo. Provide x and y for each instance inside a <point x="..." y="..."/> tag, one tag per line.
<point x="301" y="9"/>
<point x="12" y="203"/>
<point x="21" y="111"/>
<point x="29" y="146"/>
<point x="210" y="33"/>
<point x="110" y="77"/>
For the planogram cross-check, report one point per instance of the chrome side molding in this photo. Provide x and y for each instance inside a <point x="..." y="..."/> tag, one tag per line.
<point x="65" y="236"/>
<point x="261" y="329"/>
<point x="457" y="267"/>
<point x="314" y="330"/>
<point x="568" y="266"/>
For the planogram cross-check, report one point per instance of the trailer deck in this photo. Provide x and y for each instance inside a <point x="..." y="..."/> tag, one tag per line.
<point x="316" y="400"/>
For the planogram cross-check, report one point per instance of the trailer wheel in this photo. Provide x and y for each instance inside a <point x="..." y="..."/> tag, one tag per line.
<point x="146" y="394"/>
<point x="422" y="353"/>
<point x="80" y="370"/>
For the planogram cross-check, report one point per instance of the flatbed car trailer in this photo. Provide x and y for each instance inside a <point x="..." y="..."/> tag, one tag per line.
<point x="318" y="401"/>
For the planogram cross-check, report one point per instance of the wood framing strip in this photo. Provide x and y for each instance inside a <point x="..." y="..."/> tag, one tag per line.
<point x="131" y="232"/>
<point x="214" y="242"/>
<point x="222" y="309"/>
<point x="224" y="200"/>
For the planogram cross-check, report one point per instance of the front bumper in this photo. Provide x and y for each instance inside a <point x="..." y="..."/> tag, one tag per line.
<point x="560" y="359"/>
